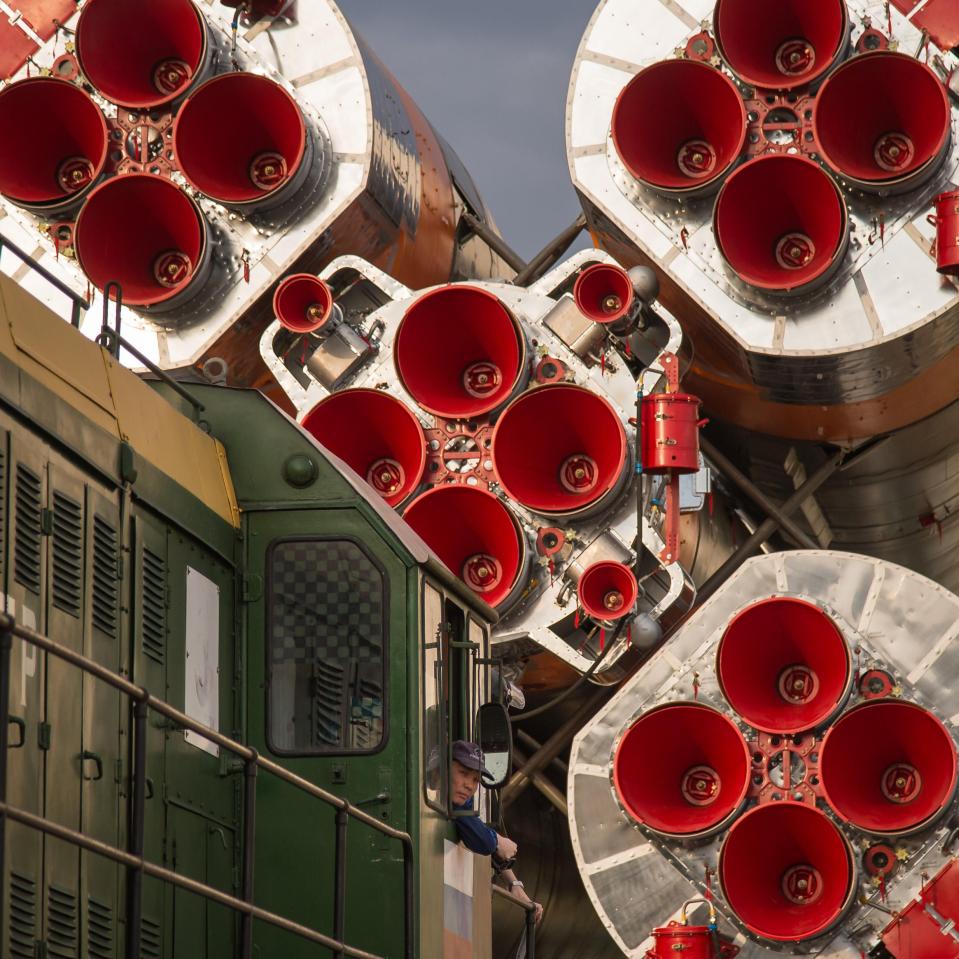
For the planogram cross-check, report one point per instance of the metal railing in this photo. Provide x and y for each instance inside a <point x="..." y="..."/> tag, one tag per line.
<point x="79" y="303"/>
<point x="132" y="857"/>
<point x="530" y="910"/>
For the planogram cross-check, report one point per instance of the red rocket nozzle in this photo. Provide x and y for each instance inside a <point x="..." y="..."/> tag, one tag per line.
<point x="883" y="119"/>
<point x="607" y="591"/>
<point x="143" y="232"/>
<point x="141" y="55"/>
<point x="780" y="45"/>
<point x="239" y="138"/>
<point x="787" y="871"/>
<point x="459" y="352"/>
<point x="679" y="125"/>
<point x="303" y="303"/>
<point x="783" y="665"/>
<point x="55" y="143"/>
<point x="888" y="766"/>
<point x="474" y="534"/>
<point x="781" y="223"/>
<point x="376" y="436"/>
<point x="682" y="769"/>
<point x="559" y="449"/>
<point x="604" y="293"/>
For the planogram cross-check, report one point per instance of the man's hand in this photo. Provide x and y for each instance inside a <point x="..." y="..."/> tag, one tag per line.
<point x="539" y="912"/>
<point x="505" y="848"/>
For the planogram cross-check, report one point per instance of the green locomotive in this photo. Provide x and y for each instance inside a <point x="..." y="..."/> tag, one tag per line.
<point x="207" y="554"/>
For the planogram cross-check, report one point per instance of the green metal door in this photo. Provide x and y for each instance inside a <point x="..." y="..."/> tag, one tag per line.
<point x="327" y="698"/>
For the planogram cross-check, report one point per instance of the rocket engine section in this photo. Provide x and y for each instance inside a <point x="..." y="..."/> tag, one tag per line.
<point x="780" y="169"/>
<point x="188" y="156"/>
<point x="501" y="422"/>
<point x="787" y="758"/>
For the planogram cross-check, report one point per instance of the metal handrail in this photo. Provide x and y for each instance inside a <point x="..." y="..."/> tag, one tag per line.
<point x="530" y="910"/>
<point x="79" y="303"/>
<point x="133" y="858"/>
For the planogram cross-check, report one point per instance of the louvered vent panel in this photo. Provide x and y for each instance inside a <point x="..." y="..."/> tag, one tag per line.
<point x="154" y="607"/>
<point x="150" y="941"/>
<point x="100" y="932"/>
<point x="62" y="924"/>
<point x="329" y="702"/>
<point x="26" y="547"/>
<point x="104" y="576"/>
<point x="23" y="917"/>
<point x="67" y="554"/>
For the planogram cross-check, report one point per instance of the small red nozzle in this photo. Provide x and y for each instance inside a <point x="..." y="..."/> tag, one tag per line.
<point x="607" y="591"/>
<point x="787" y="871"/>
<point x="559" y="449"/>
<point x="888" y="767"/>
<point x="303" y="303"/>
<point x="474" y="534"/>
<point x="603" y="293"/>
<point x="883" y="119"/>
<point x="55" y="143"/>
<point x="781" y="223"/>
<point x="783" y="665"/>
<point x="143" y="232"/>
<point x="679" y="125"/>
<point x="376" y="436"/>
<point x="141" y="55"/>
<point x="682" y="769"/>
<point x="780" y="45"/>
<point x="459" y="352"/>
<point x="239" y="138"/>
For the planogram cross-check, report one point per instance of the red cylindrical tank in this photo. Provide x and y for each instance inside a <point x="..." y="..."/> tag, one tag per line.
<point x="883" y="121"/>
<point x="475" y="535"/>
<point x="947" y="233"/>
<point x="459" y="352"/>
<point x="781" y="45"/>
<point x="781" y="223"/>
<point x="241" y="139"/>
<point x="604" y="293"/>
<point x="888" y="767"/>
<point x="559" y="449"/>
<point x="688" y="942"/>
<point x="682" y="769"/>
<point x="670" y="435"/>
<point x="146" y="234"/>
<point x="55" y="144"/>
<point x="607" y="591"/>
<point x="303" y="303"/>
<point x="376" y="435"/>
<point x="784" y="665"/>
<point x="787" y="871"/>
<point x="142" y="55"/>
<point x="679" y="126"/>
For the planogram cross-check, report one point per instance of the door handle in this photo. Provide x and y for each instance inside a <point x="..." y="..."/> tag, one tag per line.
<point x="98" y="762"/>
<point x="22" y="726"/>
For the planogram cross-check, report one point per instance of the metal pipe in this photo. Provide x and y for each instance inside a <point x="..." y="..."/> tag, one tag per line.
<point x="550" y="253"/>
<point x="746" y="485"/>
<point x="409" y="911"/>
<point x="339" y="880"/>
<point x="527" y="740"/>
<point x="553" y="746"/>
<point x="555" y="797"/>
<point x="79" y="303"/>
<point x="249" y="857"/>
<point x="495" y="242"/>
<point x="768" y="527"/>
<point x="177" y="879"/>
<point x="530" y="911"/>
<point x="137" y="829"/>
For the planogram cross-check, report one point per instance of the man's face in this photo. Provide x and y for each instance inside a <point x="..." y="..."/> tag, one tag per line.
<point x="464" y="782"/>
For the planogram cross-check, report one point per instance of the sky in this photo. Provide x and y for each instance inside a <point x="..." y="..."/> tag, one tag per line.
<point x="492" y="77"/>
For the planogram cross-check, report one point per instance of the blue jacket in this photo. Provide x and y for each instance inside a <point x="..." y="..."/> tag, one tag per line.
<point x="474" y="833"/>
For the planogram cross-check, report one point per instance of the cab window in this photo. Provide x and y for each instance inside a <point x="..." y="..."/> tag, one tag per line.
<point x="326" y="648"/>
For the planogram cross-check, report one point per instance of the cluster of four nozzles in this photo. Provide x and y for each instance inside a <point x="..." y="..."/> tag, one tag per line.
<point x="880" y="121"/>
<point x="238" y="138"/>
<point x="461" y="355"/>
<point x="886" y="767"/>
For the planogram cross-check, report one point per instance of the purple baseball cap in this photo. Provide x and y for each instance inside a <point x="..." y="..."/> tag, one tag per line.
<point x="470" y="756"/>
